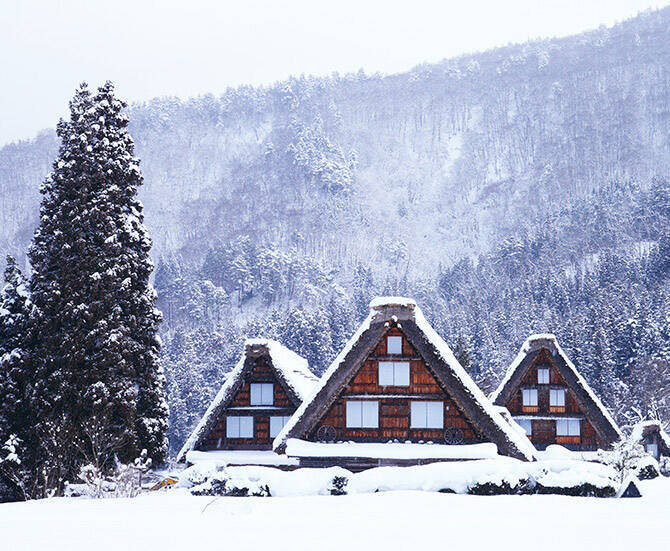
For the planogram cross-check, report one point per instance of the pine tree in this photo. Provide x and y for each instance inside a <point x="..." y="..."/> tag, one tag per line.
<point x="14" y="310"/>
<point x="96" y="361"/>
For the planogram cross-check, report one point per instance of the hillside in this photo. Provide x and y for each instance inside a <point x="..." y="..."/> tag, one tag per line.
<point x="517" y="190"/>
<point x="431" y="164"/>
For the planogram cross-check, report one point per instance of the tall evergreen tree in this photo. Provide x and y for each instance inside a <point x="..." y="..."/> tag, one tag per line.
<point x="15" y="420"/>
<point x="97" y="373"/>
<point x="14" y="308"/>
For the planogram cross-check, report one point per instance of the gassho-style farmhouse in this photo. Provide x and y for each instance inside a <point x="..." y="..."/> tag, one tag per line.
<point x="397" y="395"/>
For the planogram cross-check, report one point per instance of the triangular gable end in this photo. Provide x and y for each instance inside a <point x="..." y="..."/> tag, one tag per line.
<point x="593" y="409"/>
<point x="629" y="488"/>
<point x="290" y="370"/>
<point x="423" y="385"/>
<point x="456" y="384"/>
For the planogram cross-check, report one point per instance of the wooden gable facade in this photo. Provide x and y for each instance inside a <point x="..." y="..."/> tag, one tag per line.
<point x="552" y="402"/>
<point x="398" y="381"/>
<point x="399" y="406"/>
<point x="245" y="423"/>
<point x="255" y="402"/>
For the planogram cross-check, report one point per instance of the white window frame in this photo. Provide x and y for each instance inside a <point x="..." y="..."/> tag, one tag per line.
<point x="277" y="423"/>
<point x="397" y="345"/>
<point x="529" y="397"/>
<point x="542" y="375"/>
<point x="239" y="426"/>
<point x="393" y="374"/>
<point x="426" y="415"/>
<point x="362" y="414"/>
<point x="261" y="394"/>
<point x="568" y="427"/>
<point x="526" y="425"/>
<point x="554" y="395"/>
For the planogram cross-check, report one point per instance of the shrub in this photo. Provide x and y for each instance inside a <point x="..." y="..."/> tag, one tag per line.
<point x="338" y="487"/>
<point x="585" y="489"/>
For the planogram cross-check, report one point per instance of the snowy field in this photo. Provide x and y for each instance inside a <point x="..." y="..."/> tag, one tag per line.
<point x="393" y="520"/>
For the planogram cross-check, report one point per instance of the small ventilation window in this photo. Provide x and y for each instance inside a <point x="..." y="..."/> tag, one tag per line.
<point x="394" y="345"/>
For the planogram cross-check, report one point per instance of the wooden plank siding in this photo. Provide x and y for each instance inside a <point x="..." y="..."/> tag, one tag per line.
<point x="544" y="430"/>
<point x="394" y="401"/>
<point x="241" y="406"/>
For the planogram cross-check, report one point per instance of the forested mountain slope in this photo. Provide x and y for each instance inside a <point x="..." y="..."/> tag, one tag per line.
<point x="517" y="190"/>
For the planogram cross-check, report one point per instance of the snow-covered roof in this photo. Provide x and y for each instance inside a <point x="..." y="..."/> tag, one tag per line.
<point x="577" y="383"/>
<point x="523" y="352"/>
<point x="390" y="450"/>
<point x="291" y="369"/>
<point x="643" y="428"/>
<point x="239" y="457"/>
<point x="380" y="302"/>
<point x="404" y="312"/>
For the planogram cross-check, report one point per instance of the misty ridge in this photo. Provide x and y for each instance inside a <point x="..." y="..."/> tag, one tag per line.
<point x="515" y="191"/>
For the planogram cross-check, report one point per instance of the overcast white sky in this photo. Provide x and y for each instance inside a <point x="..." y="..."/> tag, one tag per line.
<point x="189" y="47"/>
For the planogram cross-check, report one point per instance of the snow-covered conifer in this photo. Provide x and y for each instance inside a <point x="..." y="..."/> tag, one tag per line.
<point x="96" y="359"/>
<point x="14" y="309"/>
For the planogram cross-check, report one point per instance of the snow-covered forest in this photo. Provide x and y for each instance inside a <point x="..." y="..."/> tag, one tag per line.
<point x="519" y="190"/>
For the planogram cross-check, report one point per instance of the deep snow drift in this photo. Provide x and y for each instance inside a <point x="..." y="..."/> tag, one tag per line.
<point x="394" y="520"/>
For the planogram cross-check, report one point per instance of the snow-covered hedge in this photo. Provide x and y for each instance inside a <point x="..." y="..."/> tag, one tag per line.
<point x="646" y="468"/>
<point x="485" y="477"/>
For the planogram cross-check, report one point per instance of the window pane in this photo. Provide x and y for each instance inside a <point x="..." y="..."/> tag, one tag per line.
<point x="562" y="427"/>
<point x="557" y="397"/>
<point x="543" y="376"/>
<point x="418" y="415"/>
<point x="652" y="449"/>
<point x="394" y="345"/>
<point x="267" y="394"/>
<point x="573" y="427"/>
<point x="354" y="415"/>
<point x="401" y="373"/>
<point x="434" y="415"/>
<point x="232" y="427"/>
<point x="276" y="424"/>
<point x="530" y="397"/>
<point x="370" y="415"/>
<point x="385" y="373"/>
<point x="255" y="394"/>
<point x="246" y="427"/>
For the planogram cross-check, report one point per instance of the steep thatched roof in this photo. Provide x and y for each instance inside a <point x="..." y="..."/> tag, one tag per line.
<point x="644" y="429"/>
<point x="405" y="314"/>
<point x="291" y="370"/>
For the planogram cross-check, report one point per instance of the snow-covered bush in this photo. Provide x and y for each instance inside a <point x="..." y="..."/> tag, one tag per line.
<point x="647" y="468"/>
<point x="222" y="484"/>
<point x="11" y="477"/>
<point x="495" y="488"/>
<point x="585" y="489"/>
<point x="124" y="481"/>
<point x="93" y="481"/>
<point x="624" y="457"/>
<point x="664" y="466"/>
<point x="483" y="477"/>
<point x="338" y="486"/>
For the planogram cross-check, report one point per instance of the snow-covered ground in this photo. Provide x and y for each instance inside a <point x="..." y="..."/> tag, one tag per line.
<point x="393" y="520"/>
